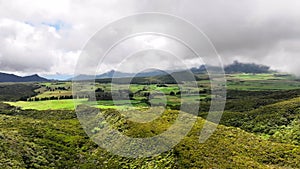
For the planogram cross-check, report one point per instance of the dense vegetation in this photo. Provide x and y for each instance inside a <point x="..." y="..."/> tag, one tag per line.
<point x="279" y="121"/>
<point x="46" y="139"/>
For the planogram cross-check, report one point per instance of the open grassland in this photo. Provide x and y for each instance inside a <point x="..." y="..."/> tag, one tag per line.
<point x="260" y="82"/>
<point x="261" y="76"/>
<point x="69" y="104"/>
<point x="57" y="84"/>
<point x="260" y="85"/>
<point x="45" y="105"/>
<point x="56" y="93"/>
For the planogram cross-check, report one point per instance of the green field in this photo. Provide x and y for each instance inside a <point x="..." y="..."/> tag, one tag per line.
<point x="70" y="104"/>
<point x="54" y="93"/>
<point x="260" y="82"/>
<point x="45" y="105"/>
<point x="261" y="76"/>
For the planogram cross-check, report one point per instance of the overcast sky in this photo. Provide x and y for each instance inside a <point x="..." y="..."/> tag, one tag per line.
<point x="47" y="37"/>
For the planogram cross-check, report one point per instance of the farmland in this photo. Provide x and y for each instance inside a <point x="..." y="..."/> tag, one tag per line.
<point x="51" y="95"/>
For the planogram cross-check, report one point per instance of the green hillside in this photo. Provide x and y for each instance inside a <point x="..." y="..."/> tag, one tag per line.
<point x="17" y="91"/>
<point x="279" y="121"/>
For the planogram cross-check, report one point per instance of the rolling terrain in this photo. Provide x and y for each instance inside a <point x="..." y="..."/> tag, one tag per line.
<point x="259" y="127"/>
<point x="33" y="139"/>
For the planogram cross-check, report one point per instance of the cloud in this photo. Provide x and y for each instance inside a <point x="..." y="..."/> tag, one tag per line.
<point x="251" y="31"/>
<point x="47" y="37"/>
<point x="24" y="47"/>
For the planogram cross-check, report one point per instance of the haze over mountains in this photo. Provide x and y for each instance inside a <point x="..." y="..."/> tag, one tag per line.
<point x="118" y="74"/>
<point x="235" y="67"/>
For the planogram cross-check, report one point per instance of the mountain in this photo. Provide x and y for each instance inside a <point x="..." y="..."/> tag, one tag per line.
<point x="110" y="74"/>
<point x="115" y="74"/>
<point x="237" y="67"/>
<point x="118" y="74"/>
<point x="34" y="78"/>
<point x="4" y="77"/>
<point x="200" y="69"/>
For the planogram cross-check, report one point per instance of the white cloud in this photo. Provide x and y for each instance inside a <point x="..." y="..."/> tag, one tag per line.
<point x="24" y="47"/>
<point x="31" y="43"/>
<point x="265" y="32"/>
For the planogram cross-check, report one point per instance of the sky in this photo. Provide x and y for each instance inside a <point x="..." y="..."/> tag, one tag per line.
<point x="47" y="37"/>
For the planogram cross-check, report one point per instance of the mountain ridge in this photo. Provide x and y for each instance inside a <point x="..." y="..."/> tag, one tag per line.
<point x="235" y="67"/>
<point x="5" y="77"/>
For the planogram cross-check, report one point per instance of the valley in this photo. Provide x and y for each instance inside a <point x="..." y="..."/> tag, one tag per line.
<point x="259" y="127"/>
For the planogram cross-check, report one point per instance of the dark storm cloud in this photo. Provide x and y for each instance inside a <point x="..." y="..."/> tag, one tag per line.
<point x="252" y="31"/>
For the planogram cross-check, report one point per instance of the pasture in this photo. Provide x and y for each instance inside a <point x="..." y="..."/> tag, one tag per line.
<point x="56" y="95"/>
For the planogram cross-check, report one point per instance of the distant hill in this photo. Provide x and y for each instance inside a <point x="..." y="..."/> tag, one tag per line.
<point x="118" y="74"/>
<point x="4" y="77"/>
<point x="237" y="67"/>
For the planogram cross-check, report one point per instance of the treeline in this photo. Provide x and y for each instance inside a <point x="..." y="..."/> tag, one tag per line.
<point x="118" y="95"/>
<point x="57" y="88"/>
<point x="49" y="98"/>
